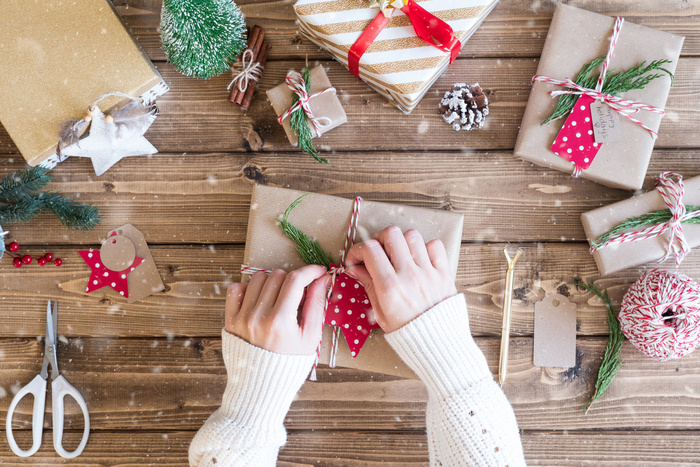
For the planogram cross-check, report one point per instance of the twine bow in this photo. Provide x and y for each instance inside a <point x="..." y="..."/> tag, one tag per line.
<point x="671" y="188"/>
<point x="334" y="271"/>
<point x="296" y="83"/>
<point x="249" y="71"/>
<point x="624" y="107"/>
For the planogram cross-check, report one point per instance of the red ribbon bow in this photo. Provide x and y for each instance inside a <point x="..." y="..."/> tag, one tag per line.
<point x="427" y="26"/>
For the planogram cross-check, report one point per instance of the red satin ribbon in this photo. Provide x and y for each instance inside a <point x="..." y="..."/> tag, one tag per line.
<point x="427" y="26"/>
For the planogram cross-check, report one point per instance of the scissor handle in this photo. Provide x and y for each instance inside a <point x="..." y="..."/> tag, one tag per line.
<point x="60" y="388"/>
<point x="37" y="388"/>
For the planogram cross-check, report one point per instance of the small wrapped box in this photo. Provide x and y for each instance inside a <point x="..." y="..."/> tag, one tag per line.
<point x="326" y="219"/>
<point x="57" y="58"/>
<point x="324" y="106"/>
<point x="575" y="38"/>
<point x="618" y="256"/>
<point x="398" y="64"/>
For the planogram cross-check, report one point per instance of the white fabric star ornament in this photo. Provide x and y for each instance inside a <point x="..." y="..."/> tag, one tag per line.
<point x="113" y="137"/>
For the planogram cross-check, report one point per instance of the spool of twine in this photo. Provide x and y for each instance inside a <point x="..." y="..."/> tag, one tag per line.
<point x="660" y="314"/>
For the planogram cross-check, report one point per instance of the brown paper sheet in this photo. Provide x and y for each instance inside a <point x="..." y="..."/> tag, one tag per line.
<point x="56" y="58"/>
<point x="621" y="256"/>
<point x="326" y="105"/>
<point x="326" y="218"/>
<point x="576" y="37"/>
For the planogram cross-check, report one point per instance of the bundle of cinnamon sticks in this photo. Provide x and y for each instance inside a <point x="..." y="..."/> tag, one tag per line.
<point x="260" y="51"/>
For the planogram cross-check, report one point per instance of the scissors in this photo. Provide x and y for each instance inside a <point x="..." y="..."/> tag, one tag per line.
<point x="60" y="388"/>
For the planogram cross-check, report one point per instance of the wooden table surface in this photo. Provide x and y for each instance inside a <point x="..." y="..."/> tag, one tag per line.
<point x="152" y="372"/>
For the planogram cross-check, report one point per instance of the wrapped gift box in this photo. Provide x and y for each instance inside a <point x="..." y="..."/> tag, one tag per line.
<point x="325" y="105"/>
<point x="398" y="65"/>
<point x="575" y="38"/>
<point x="619" y="256"/>
<point x="56" y="58"/>
<point x="326" y="219"/>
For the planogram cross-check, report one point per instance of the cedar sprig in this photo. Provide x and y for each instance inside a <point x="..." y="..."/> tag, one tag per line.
<point x="615" y="82"/>
<point x="22" y="198"/>
<point x="300" y="123"/>
<point x="309" y="250"/>
<point x="649" y="218"/>
<point x="611" y="360"/>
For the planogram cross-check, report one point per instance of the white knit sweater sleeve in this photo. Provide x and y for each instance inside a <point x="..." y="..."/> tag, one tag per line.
<point x="248" y="428"/>
<point x="469" y="420"/>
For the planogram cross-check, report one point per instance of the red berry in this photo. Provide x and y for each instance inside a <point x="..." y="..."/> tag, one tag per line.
<point x="58" y="261"/>
<point x="26" y="259"/>
<point x="41" y="261"/>
<point x="14" y="246"/>
<point x="17" y="262"/>
<point x="48" y="256"/>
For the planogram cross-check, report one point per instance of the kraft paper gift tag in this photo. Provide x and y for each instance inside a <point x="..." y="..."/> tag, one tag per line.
<point x="575" y="38"/>
<point x="326" y="218"/>
<point x="555" y="332"/>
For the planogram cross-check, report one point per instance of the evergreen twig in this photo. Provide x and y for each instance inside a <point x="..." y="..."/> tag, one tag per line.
<point x="649" y="218"/>
<point x="611" y="360"/>
<point x="615" y="82"/>
<point x="300" y="123"/>
<point x="309" y="250"/>
<point x="21" y="199"/>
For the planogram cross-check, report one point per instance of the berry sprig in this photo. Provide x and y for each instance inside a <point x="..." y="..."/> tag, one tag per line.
<point x="20" y="260"/>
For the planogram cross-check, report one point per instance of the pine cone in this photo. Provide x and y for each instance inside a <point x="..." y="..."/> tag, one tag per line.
<point x="465" y="106"/>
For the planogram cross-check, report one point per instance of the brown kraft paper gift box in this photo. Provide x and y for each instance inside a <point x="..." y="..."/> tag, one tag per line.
<point x="326" y="218"/>
<point x="326" y="105"/>
<point x="575" y="38"/>
<point x="616" y="257"/>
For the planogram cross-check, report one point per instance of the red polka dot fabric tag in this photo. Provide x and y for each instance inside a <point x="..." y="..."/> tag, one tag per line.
<point x="348" y="308"/>
<point x="575" y="141"/>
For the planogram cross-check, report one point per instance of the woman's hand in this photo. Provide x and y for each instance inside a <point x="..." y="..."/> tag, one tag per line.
<point x="402" y="274"/>
<point x="264" y="311"/>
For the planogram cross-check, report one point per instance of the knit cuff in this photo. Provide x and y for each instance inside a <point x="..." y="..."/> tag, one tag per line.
<point x="439" y="348"/>
<point x="261" y="384"/>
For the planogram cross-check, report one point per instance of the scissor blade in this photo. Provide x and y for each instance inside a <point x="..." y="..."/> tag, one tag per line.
<point x="50" y="326"/>
<point x="50" y="344"/>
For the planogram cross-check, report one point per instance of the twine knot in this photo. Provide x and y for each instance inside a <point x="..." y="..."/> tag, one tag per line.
<point x="248" y="71"/>
<point x="296" y="83"/>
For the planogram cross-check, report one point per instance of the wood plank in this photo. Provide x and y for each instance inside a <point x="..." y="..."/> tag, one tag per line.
<point x="160" y="384"/>
<point x="205" y="198"/>
<point x="514" y="28"/>
<point x="196" y="281"/>
<point x="197" y="117"/>
<point x="370" y="448"/>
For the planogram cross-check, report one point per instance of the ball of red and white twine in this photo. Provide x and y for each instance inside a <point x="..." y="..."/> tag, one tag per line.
<point x="660" y="314"/>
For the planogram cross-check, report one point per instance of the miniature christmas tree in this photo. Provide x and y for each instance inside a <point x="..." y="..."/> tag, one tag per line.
<point x="202" y="38"/>
<point x="22" y="197"/>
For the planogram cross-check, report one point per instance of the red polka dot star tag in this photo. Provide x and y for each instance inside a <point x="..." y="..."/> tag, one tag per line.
<point x="348" y="308"/>
<point x="576" y="141"/>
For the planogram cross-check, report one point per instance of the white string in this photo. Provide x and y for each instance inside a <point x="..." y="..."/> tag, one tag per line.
<point x="251" y="70"/>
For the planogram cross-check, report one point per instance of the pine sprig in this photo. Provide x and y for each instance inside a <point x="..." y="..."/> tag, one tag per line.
<point x="615" y="82"/>
<point x="309" y="250"/>
<point x="611" y="360"/>
<point x="649" y="218"/>
<point x="21" y="199"/>
<point x="300" y="123"/>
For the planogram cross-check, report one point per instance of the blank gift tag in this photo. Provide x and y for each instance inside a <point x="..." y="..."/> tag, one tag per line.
<point x="606" y="123"/>
<point x="575" y="141"/>
<point x="555" y="332"/>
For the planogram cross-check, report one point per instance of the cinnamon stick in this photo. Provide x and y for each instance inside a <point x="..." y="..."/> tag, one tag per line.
<point x="255" y="38"/>
<point x="248" y="96"/>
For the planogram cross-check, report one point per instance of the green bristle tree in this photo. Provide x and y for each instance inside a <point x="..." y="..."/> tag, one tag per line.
<point x="202" y="38"/>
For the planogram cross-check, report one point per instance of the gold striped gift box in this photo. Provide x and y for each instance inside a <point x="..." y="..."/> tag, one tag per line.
<point x="398" y="64"/>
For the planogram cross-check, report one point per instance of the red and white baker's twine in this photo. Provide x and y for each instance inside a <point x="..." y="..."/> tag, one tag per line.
<point x="624" y="107"/>
<point x="249" y="71"/>
<point x="660" y="314"/>
<point x="334" y="272"/>
<point x="671" y="192"/>
<point x="296" y="83"/>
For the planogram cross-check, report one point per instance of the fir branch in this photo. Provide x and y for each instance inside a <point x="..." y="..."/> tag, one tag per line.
<point x="611" y="360"/>
<point x="72" y="214"/>
<point x="23" y="183"/>
<point x="309" y="250"/>
<point x="615" y="84"/>
<point x="649" y="218"/>
<point x="300" y="123"/>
